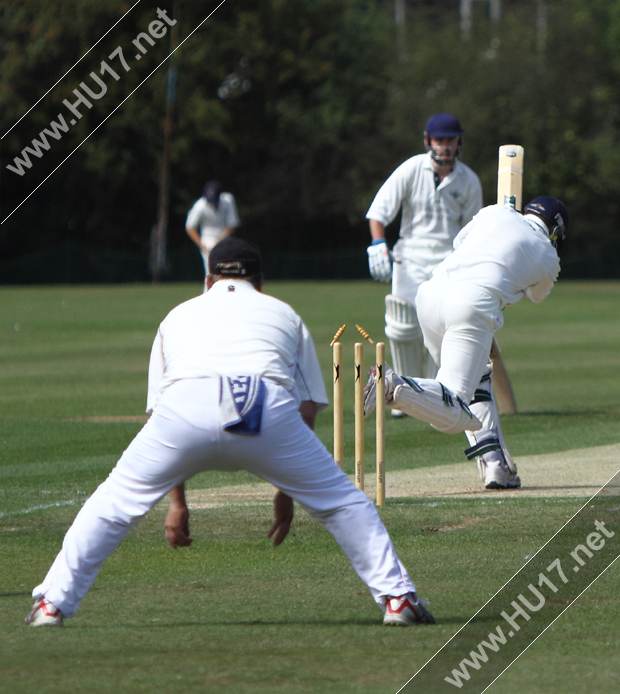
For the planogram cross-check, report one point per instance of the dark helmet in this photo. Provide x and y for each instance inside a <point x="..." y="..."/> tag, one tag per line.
<point x="554" y="214"/>
<point x="212" y="192"/>
<point x="442" y="125"/>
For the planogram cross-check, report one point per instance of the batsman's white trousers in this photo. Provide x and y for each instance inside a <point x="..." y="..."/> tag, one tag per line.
<point x="458" y="321"/>
<point x="413" y="265"/>
<point x="184" y="437"/>
<point x="208" y="240"/>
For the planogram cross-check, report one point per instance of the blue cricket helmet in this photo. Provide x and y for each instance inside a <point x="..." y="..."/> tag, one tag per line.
<point x="439" y="126"/>
<point x="443" y="125"/>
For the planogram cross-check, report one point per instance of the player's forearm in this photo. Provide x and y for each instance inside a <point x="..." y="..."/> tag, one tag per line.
<point x="194" y="236"/>
<point x="283" y="513"/>
<point x="307" y="410"/>
<point x="177" y="519"/>
<point x="377" y="230"/>
<point x="177" y="496"/>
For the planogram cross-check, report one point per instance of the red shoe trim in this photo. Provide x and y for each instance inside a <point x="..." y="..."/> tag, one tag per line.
<point x="43" y="605"/>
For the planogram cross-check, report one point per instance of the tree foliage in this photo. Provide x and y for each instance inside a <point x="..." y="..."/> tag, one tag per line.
<point x="334" y="99"/>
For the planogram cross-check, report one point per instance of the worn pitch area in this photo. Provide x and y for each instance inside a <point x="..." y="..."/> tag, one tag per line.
<point x="579" y="472"/>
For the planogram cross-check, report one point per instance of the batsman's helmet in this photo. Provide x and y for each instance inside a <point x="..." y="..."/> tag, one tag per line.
<point x="442" y="125"/>
<point x="554" y="214"/>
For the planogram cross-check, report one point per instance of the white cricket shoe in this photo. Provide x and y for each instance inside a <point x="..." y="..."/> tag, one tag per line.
<point x="392" y="380"/>
<point x="406" y="611"/>
<point x="44" y="613"/>
<point x="497" y="475"/>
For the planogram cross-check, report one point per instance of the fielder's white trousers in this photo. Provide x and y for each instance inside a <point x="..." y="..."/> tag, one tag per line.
<point x="184" y="437"/>
<point x="458" y="321"/>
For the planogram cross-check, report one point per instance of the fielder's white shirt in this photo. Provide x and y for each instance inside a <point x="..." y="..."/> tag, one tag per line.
<point x="234" y="330"/>
<point x="505" y="253"/>
<point x="210" y="221"/>
<point x="432" y="215"/>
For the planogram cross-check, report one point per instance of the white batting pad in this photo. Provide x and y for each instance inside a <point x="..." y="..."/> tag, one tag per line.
<point x="429" y="401"/>
<point x="401" y="319"/>
<point x="405" y="335"/>
<point x="407" y="356"/>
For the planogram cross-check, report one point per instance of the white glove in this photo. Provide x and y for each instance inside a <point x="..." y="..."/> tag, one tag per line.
<point x="380" y="261"/>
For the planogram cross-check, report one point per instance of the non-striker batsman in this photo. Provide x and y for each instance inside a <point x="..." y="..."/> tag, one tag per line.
<point x="438" y="195"/>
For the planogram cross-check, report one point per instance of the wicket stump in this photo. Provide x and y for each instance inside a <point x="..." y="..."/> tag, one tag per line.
<point x="359" y="413"/>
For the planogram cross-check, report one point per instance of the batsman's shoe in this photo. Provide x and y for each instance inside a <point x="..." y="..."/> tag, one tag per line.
<point x="44" y="614"/>
<point x="392" y="380"/>
<point x="406" y="611"/>
<point x="497" y="475"/>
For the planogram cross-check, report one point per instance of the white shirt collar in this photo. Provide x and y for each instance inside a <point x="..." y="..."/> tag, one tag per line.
<point x="536" y="222"/>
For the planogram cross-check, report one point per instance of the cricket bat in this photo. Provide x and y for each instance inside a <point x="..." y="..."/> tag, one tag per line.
<point x="510" y="176"/>
<point x="509" y="190"/>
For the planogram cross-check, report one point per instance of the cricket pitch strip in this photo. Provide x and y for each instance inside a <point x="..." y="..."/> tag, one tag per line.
<point x="580" y="472"/>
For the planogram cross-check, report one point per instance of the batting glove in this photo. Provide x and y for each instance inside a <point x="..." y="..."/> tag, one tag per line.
<point x="379" y="261"/>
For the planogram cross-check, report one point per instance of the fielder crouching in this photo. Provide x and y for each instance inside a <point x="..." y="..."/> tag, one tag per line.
<point x="234" y="383"/>
<point x="499" y="257"/>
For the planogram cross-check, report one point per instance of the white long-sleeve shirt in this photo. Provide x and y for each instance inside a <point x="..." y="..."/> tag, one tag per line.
<point x="506" y="253"/>
<point x="235" y="330"/>
<point x="432" y="215"/>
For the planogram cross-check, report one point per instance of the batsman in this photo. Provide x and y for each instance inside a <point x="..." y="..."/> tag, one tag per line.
<point x="500" y="257"/>
<point x="438" y="195"/>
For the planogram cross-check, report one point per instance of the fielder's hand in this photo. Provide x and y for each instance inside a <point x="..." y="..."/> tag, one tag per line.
<point x="379" y="261"/>
<point x="177" y="526"/>
<point x="283" y="512"/>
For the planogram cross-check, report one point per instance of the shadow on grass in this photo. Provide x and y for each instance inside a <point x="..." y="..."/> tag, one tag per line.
<point x="18" y="594"/>
<point x="554" y="413"/>
<point x="277" y="623"/>
<point x="514" y="493"/>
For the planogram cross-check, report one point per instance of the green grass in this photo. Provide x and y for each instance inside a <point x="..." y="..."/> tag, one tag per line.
<point x="231" y="613"/>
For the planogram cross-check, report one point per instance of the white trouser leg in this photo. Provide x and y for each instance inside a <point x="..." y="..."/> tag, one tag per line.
<point x="458" y="321"/>
<point x="296" y="462"/>
<point x="430" y="369"/>
<point x="489" y="442"/>
<point x="208" y="241"/>
<point x="183" y="437"/>
<point x="118" y="504"/>
<point x="97" y="531"/>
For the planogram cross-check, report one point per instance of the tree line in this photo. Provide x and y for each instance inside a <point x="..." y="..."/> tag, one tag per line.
<point x="302" y="108"/>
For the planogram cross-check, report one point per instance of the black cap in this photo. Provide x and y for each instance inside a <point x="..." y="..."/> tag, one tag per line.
<point x="235" y="257"/>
